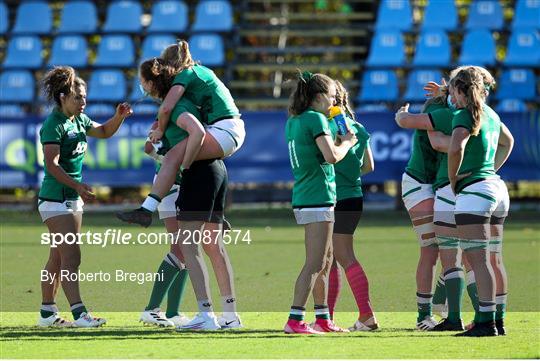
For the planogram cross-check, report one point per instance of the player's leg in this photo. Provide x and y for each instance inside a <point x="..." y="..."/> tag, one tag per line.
<point x="49" y="288"/>
<point x="170" y="267"/>
<point x="474" y="207"/>
<point x="440" y="307"/>
<point x="450" y="255"/>
<point x="318" y="225"/>
<point x="418" y="200"/>
<point x="334" y="286"/>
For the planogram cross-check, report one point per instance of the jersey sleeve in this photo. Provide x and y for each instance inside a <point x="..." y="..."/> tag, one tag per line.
<point x="51" y="133"/>
<point x="462" y="119"/>
<point x="441" y="120"/>
<point x="183" y="78"/>
<point x="318" y="126"/>
<point x="361" y="132"/>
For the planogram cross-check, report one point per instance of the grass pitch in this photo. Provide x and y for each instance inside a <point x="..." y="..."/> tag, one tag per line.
<point x="265" y="271"/>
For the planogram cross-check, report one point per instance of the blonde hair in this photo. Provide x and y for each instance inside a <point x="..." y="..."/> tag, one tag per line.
<point x="61" y="80"/>
<point x="308" y="86"/>
<point x="178" y="56"/>
<point x="342" y="99"/>
<point x="470" y="83"/>
<point x="487" y="78"/>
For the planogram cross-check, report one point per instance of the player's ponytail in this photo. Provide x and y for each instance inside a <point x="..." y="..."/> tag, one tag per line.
<point x="307" y="87"/>
<point x="160" y="74"/>
<point x="470" y="83"/>
<point x="178" y="56"/>
<point x="342" y="99"/>
<point x="60" y="81"/>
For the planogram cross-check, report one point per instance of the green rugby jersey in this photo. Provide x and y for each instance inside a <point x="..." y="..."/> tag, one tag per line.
<point x="173" y="133"/>
<point x="441" y="120"/>
<point x="209" y="93"/>
<point x="479" y="157"/>
<point x="314" y="178"/>
<point x="348" y="170"/>
<point x="70" y="135"/>
<point x="423" y="163"/>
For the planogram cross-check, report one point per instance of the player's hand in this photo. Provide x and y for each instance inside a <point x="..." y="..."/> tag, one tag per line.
<point x="124" y="110"/>
<point x="155" y="135"/>
<point x="404" y="110"/>
<point x="454" y="180"/>
<point x="85" y="191"/>
<point x="433" y="89"/>
<point x="349" y="137"/>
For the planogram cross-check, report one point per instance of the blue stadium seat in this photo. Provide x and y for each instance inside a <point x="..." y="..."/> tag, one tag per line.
<point x="394" y="14"/>
<point x="432" y="49"/>
<point x="16" y="86"/>
<point x="485" y="14"/>
<point x="99" y="110"/>
<point x="12" y="111"/>
<point x="123" y="17"/>
<point x="73" y="22"/>
<point x="527" y="14"/>
<point x="207" y="48"/>
<point x="379" y="85"/>
<point x="169" y="16"/>
<point x="153" y="45"/>
<point x="107" y="86"/>
<point x="69" y="50"/>
<point x="523" y="48"/>
<point x="4" y="18"/>
<point x="213" y="15"/>
<point x="136" y="94"/>
<point x="146" y="108"/>
<point x="24" y="52"/>
<point x="517" y="84"/>
<point x="115" y="50"/>
<point x="416" y="81"/>
<point x="33" y="17"/>
<point x="478" y="48"/>
<point x="511" y="105"/>
<point x="387" y="49"/>
<point x="372" y="108"/>
<point x="440" y="15"/>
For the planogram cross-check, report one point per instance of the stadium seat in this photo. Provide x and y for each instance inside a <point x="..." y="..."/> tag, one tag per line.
<point x="24" y="52"/>
<point x="4" y="18"/>
<point x="115" y="50"/>
<point x="213" y="15"/>
<point x="99" y="110"/>
<point x="416" y="81"/>
<point x="123" y="17"/>
<point x="207" y="48"/>
<point x="387" y="49"/>
<point x="73" y="22"/>
<point x="107" y="86"/>
<point x="523" y="48"/>
<point x="153" y="45"/>
<point x="379" y="85"/>
<point x="511" y="105"/>
<point x="485" y="14"/>
<point x="478" y="48"/>
<point x="169" y="16"/>
<point x="69" y="50"/>
<point x="432" y="49"/>
<point x="527" y="14"/>
<point x="16" y="86"/>
<point x="440" y="15"/>
<point x="394" y="14"/>
<point x="12" y="111"/>
<point x="33" y="17"/>
<point x="517" y="84"/>
<point x="145" y="108"/>
<point x="372" y="108"/>
<point x="136" y="94"/>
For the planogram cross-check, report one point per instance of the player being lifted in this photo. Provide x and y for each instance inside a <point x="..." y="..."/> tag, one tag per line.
<point x="224" y="128"/>
<point x="312" y="154"/>
<point x="62" y="194"/>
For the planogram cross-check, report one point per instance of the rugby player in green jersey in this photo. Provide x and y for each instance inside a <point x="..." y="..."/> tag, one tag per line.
<point x="157" y="78"/>
<point x="224" y="127"/>
<point x="480" y="144"/>
<point x="62" y="194"/>
<point x="312" y="153"/>
<point x="348" y="211"/>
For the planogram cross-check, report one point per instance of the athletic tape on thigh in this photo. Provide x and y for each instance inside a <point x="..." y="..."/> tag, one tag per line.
<point x="448" y="242"/>
<point x="423" y="226"/>
<point x="471" y="244"/>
